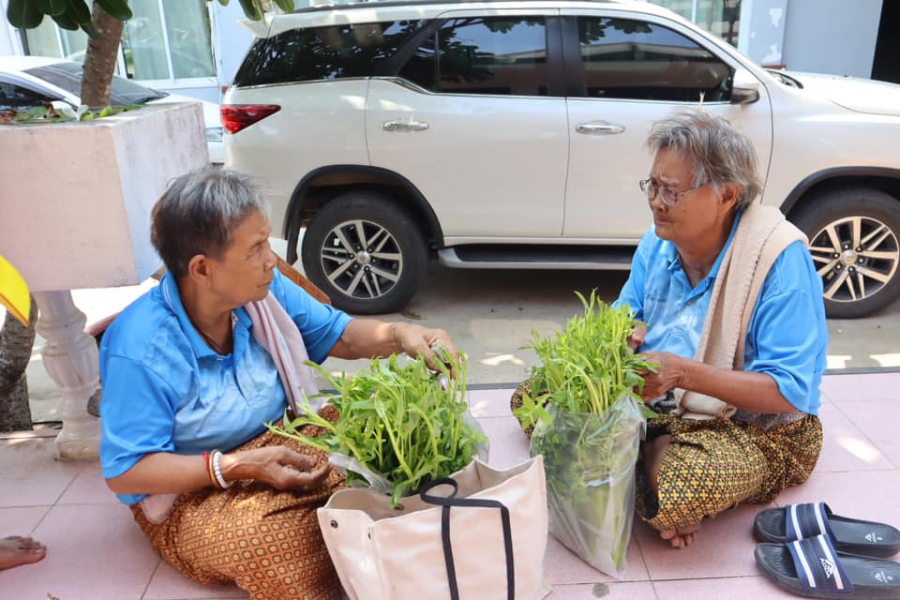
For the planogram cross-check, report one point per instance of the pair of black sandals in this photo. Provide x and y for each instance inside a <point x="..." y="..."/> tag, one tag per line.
<point x="809" y="551"/>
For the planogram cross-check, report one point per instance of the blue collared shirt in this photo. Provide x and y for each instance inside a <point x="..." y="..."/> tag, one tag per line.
<point x="165" y="390"/>
<point x="787" y="337"/>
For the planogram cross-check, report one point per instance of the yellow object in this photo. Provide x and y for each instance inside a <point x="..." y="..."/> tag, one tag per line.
<point x="14" y="292"/>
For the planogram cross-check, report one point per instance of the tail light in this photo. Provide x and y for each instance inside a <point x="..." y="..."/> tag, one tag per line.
<point x="239" y="116"/>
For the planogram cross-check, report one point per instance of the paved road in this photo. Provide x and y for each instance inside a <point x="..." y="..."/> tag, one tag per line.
<point x="490" y="313"/>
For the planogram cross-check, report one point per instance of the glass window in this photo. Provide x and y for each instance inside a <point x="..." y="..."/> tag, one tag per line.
<point x="644" y="61"/>
<point x="721" y="17"/>
<point x="190" y="43"/>
<point x="67" y="76"/>
<point x="492" y="55"/>
<point x="168" y="39"/>
<point x="323" y="52"/>
<point x="74" y="44"/>
<point x="165" y="40"/>
<point x="16" y="96"/>
<point x="49" y="40"/>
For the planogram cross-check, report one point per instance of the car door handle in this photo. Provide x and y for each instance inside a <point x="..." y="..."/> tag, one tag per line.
<point x="404" y="126"/>
<point x="599" y="128"/>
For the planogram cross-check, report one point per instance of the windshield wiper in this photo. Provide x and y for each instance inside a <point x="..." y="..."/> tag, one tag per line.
<point x="786" y="79"/>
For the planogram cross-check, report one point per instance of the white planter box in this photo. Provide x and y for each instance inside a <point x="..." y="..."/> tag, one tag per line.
<point x="75" y="207"/>
<point x="76" y="198"/>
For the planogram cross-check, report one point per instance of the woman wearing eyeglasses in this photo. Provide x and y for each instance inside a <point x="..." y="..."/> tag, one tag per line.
<point x="735" y="321"/>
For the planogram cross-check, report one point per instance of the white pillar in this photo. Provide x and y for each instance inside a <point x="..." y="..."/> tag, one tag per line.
<point x="73" y="363"/>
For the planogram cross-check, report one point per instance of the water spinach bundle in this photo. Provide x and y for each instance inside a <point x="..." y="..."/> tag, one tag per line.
<point x="589" y="419"/>
<point x="401" y="426"/>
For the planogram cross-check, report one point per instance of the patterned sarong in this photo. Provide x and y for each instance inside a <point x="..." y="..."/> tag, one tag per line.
<point x="715" y="465"/>
<point x="266" y="541"/>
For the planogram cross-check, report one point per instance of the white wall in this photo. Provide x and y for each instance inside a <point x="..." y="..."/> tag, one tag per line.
<point x="231" y="39"/>
<point x="762" y="35"/>
<point x="832" y="36"/>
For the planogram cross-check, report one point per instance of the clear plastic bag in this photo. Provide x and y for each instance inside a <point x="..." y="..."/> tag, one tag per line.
<point x="589" y="461"/>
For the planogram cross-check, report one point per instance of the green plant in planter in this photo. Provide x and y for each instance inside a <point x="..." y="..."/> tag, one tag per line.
<point x="405" y="424"/>
<point x="47" y="113"/>
<point x="589" y="416"/>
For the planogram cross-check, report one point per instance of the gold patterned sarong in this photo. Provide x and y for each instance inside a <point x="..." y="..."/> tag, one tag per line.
<point x="266" y="541"/>
<point x="715" y="465"/>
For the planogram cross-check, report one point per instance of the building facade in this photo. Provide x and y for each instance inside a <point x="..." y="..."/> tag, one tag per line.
<point x="194" y="47"/>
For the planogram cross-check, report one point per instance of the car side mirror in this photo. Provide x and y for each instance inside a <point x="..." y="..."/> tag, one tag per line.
<point x="745" y="89"/>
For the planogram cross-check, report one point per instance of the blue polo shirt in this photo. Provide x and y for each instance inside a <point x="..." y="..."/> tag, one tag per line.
<point x="165" y="390"/>
<point x="787" y="336"/>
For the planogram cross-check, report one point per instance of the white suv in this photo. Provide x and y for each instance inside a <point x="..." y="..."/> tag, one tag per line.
<point x="510" y="134"/>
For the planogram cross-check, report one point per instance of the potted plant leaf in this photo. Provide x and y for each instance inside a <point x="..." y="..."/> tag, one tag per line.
<point x="400" y="426"/>
<point x="588" y="421"/>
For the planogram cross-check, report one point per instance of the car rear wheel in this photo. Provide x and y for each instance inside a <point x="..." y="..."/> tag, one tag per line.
<point x="854" y="240"/>
<point x="366" y="253"/>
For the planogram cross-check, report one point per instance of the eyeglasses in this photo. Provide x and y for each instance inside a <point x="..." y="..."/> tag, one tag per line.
<point x="668" y="196"/>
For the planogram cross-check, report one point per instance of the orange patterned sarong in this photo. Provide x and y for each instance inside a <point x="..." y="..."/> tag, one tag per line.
<point x="266" y="541"/>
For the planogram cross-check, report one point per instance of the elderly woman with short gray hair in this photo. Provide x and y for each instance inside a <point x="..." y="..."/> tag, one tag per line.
<point x="190" y="381"/>
<point x="736" y="324"/>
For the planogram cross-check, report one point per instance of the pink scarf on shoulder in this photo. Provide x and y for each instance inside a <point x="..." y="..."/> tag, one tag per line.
<point x="276" y="331"/>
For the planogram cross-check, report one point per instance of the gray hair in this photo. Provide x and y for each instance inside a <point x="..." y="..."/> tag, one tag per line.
<point x="717" y="151"/>
<point x="198" y="212"/>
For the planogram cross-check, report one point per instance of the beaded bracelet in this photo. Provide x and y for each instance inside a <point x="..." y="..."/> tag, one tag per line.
<point x="217" y="470"/>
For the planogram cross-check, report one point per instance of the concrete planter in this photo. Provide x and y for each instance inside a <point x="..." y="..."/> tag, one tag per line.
<point x="75" y="210"/>
<point x="76" y="197"/>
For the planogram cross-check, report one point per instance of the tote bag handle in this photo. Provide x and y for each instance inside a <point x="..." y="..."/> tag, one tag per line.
<point x="449" y="501"/>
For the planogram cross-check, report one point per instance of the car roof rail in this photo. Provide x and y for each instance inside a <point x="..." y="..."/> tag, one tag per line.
<point x="351" y="4"/>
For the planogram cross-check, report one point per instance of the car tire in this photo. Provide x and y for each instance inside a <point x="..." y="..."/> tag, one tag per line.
<point x="854" y="240"/>
<point x="366" y="253"/>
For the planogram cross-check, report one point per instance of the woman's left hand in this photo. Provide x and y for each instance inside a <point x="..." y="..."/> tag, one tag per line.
<point x="669" y="375"/>
<point x="416" y="340"/>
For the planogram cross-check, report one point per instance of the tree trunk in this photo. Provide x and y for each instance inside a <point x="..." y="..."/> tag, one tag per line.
<point x="100" y="59"/>
<point x="16" y="342"/>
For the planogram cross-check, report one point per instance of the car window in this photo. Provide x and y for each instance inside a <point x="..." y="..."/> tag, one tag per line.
<point x="637" y="60"/>
<point x="16" y="96"/>
<point x="67" y="76"/>
<point x="491" y="55"/>
<point x="323" y="52"/>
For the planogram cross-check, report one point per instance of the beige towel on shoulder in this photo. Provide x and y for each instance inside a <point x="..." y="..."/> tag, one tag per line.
<point x="762" y="235"/>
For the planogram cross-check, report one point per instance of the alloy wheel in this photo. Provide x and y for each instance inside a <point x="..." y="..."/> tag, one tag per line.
<point x="361" y="259"/>
<point x="855" y="256"/>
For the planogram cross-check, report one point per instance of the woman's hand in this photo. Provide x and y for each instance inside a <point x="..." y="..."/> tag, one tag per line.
<point x="277" y="466"/>
<point x="416" y="340"/>
<point x="637" y="336"/>
<point x="669" y="375"/>
<point x="368" y="338"/>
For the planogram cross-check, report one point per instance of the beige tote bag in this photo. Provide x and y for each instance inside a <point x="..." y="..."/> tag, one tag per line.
<point x="479" y="535"/>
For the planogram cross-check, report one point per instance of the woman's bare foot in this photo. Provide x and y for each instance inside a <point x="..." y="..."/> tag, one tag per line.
<point x="16" y="550"/>
<point x="654" y="450"/>
<point x="681" y="537"/>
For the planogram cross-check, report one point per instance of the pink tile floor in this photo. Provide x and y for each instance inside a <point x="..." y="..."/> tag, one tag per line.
<point x="96" y="552"/>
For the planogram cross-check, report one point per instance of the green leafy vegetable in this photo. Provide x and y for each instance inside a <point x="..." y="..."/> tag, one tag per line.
<point x="405" y="423"/>
<point x="587" y="366"/>
<point x="587" y="410"/>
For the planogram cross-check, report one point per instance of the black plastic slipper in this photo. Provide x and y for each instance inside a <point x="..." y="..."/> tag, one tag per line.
<point x="802" y="521"/>
<point x="813" y="568"/>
